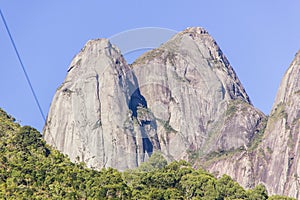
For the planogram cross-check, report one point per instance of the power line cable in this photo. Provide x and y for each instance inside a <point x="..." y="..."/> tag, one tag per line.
<point x="23" y="67"/>
<point x="25" y="73"/>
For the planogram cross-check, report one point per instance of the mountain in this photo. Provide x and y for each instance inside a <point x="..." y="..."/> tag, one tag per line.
<point x="184" y="94"/>
<point x="198" y="101"/>
<point x="275" y="159"/>
<point x="281" y="141"/>
<point x="88" y="112"/>
<point x="183" y="100"/>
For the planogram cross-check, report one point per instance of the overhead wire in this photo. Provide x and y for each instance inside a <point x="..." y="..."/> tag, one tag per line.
<point x="23" y="67"/>
<point x="26" y="75"/>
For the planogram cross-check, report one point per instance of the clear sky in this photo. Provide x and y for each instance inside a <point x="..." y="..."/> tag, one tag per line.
<point x="259" y="38"/>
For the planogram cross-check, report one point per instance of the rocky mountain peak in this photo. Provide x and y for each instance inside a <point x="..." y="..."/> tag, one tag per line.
<point x="191" y="80"/>
<point x="98" y="48"/>
<point x="282" y="136"/>
<point x="289" y="90"/>
<point x="184" y="94"/>
<point x="201" y="38"/>
<point x="195" y="47"/>
<point x="88" y="109"/>
<point x="195" y="30"/>
<point x="273" y="158"/>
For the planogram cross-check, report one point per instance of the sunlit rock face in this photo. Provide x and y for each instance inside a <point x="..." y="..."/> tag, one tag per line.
<point x="282" y="137"/>
<point x="274" y="160"/>
<point x="198" y="101"/>
<point x="90" y="118"/>
<point x="182" y="99"/>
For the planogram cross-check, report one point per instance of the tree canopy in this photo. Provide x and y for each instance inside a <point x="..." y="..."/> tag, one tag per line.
<point x="31" y="169"/>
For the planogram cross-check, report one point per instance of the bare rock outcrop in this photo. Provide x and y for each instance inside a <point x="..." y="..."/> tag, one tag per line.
<point x="281" y="141"/>
<point x="90" y="118"/>
<point x="183" y="99"/>
<point x="198" y="101"/>
<point x="274" y="157"/>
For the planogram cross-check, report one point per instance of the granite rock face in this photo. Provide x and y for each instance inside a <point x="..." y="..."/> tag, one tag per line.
<point x="275" y="159"/>
<point x="198" y="101"/>
<point x="90" y="115"/>
<point x="182" y="99"/>
<point x="282" y="137"/>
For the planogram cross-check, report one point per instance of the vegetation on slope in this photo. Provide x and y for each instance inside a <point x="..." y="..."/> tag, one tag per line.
<point x="30" y="169"/>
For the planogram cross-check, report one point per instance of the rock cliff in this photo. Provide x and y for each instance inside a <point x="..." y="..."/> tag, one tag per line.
<point x="275" y="159"/>
<point x="199" y="103"/>
<point x="90" y="115"/>
<point x="282" y="137"/>
<point x="183" y="99"/>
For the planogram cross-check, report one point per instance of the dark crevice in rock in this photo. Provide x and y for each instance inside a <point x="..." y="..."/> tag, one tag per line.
<point x="147" y="123"/>
<point x="136" y="100"/>
<point x="147" y="144"/>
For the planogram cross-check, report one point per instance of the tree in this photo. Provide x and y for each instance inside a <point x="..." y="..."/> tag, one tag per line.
<point x="228" y="188"/>
<point x="30" y="169"/>
<point x="199" y="185"/>
<point x="156" y="161"/>
<point x="259" y="192"/>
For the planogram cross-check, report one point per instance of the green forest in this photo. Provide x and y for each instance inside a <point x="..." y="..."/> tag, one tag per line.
<point x="31" y="169"/>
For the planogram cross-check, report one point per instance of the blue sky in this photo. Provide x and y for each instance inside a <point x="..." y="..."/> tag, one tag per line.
<point x="259" y="37"/>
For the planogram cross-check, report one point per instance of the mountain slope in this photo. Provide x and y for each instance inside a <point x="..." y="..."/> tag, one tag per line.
<point x="275" y="159"/>
<point x="282" y="136"/>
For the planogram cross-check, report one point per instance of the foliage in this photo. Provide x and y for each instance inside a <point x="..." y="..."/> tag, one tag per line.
<point x="156" y="161"/>
<point x="278" y="197"/>
<point x="259" y="192"/>
<point x="256" y="140"/>
<point x="166" y="124"/>
<point x="30" y="169"/>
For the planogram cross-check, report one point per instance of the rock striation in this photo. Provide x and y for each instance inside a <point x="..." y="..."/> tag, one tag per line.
<point x="90" y="115"/>
<point x="183" y="99"/>
<point x="275" y="159"/>
<point x="199" y="103"/>
<point x="282" y="137"/>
